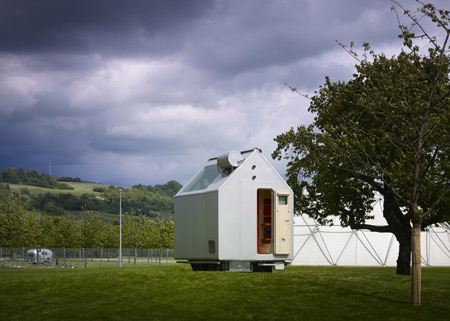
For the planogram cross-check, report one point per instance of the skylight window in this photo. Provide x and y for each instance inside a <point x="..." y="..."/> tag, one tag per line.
<point x="203" y="179"/>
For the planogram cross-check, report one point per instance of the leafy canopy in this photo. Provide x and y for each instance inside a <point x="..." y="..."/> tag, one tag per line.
<point x="386" y="130"/>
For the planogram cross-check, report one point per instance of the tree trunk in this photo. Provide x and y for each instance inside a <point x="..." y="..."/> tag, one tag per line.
<point x="416" y="277"/>
<point x="399" y="225"/>
<point x="402" y="230"/>
<point x="404" y="254"/>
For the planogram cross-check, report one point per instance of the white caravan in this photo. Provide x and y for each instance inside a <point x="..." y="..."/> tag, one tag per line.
<point x="40" y="256"/>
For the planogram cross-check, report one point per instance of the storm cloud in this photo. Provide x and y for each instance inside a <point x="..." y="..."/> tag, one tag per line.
<point x="142" y="92"/>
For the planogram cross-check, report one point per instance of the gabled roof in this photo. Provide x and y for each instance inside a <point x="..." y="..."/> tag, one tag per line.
<point x="211" y="176"/>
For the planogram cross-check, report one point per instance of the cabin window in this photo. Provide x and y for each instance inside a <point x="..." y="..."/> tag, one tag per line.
<point x="203" y="179"/>
<point x="282" y="200"/>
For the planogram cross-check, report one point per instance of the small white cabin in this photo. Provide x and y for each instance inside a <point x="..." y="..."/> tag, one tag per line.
<point x="235" y="214"/>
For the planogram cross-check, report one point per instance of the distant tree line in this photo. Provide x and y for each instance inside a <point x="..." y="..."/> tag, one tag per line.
<point x="69" y="179"/>
<point x="143" y="200"/>
<point x="30" y="219"/>
<point x="150" y="201"/>
<point x="22" y="228"/>
<point x="31" y="177"/>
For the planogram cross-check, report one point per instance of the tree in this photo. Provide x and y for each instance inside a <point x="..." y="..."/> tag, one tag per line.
<point x="65" y="232"/>
<point x="386" y="130"/>
<point x="150" y="233"/>
<point x="91" y="230"/>
<point x="13" y="222"/>
<point x="167" y="234"/>
<point x="42" y="235"/>
<point x="111" y="236"/>
<point x="131" y="229"/>
<point x="5" y="190"/>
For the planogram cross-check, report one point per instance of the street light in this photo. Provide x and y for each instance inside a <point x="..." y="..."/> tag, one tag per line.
<point x="120" y="227"/>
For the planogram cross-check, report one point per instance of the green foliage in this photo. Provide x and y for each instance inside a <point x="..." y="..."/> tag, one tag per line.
<point x="17" y="227"/>
<point x="91" y="230"/>
<point x="386" y="130"/>
<point x="69" y="179"/>
<point x="152" y="201"/>
<point x="31" y="177"/>
<point x="147" y="220"/>
<point x="110" y="236"/>
<point x="65" y="232"/>
<point x="5" y="190"/>
<point x="56" y="204"/>
<point x="169" y="189"/>
<point x="143" y="232"/>
<point x="166" y="234"/>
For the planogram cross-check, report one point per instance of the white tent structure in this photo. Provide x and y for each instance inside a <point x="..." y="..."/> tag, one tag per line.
<point x="316" y="244"/>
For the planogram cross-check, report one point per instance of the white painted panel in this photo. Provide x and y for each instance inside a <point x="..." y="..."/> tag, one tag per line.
<point x="248" y="221"/>
<point x="229" y="221"/>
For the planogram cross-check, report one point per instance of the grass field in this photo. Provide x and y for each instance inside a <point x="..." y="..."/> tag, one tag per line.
<point x="174" y="292"/>
<point x="80" y="188"/>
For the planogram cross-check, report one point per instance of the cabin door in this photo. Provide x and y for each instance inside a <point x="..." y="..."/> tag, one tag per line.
<point x="282" y="222"/>
<point x="274" y="222"/>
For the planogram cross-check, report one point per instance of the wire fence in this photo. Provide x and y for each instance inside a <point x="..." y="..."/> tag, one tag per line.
<point x="81" y="258"/>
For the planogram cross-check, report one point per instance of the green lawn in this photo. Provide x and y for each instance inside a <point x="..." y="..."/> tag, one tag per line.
<point x="174" y="292"/>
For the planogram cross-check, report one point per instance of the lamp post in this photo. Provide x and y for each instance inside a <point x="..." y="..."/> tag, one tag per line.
<point x="120" y="227"/>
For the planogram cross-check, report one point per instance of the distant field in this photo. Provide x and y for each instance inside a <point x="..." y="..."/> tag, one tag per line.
<point x="86" y="186"/>
<point x="174" y="292"/>
<point x="105" y="217"/>
<point x="79" y="189"/>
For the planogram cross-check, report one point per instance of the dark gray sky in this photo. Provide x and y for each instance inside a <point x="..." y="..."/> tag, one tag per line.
<point x="145" y="91"/>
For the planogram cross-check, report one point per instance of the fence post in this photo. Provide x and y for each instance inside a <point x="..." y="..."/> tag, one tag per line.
<point x="167" y="256"/>
<point x="160" y="255"/>
<point x="148" y="256"/>
<point x="101" y="257"/>
<point x="1" y="258"/>
<point x="135" y="255"/>
<point x="23" y="258"/>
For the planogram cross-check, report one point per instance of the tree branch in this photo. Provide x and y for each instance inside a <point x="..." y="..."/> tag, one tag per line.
<point x="295" y="90"/>
<point x="373" y="228"/>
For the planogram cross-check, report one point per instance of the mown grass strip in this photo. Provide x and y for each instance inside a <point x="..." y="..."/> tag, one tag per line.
<point x="174" y="292"/>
